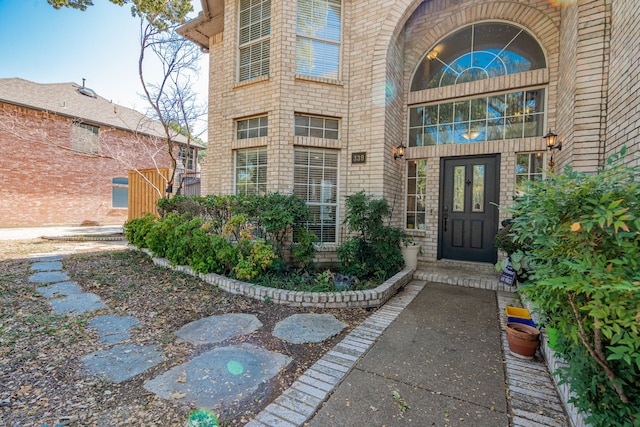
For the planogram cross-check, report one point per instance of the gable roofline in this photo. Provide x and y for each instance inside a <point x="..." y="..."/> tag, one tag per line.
<point x="207" y="24"/>
<point x="79" y="102"/>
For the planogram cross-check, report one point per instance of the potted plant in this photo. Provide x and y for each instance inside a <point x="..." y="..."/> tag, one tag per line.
<point x="410" y="251"/>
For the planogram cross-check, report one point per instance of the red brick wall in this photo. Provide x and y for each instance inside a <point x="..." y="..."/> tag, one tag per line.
<point x="45" y="183"/>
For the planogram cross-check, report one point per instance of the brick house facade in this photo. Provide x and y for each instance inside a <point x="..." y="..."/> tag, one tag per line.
<point x="319" y="98"/>
<point x="66" y="155"/>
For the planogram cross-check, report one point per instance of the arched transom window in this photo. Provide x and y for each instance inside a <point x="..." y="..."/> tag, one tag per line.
<point x="477" y="52"/>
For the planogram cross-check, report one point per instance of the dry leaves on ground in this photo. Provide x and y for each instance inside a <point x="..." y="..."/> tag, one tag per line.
<point x="41" y="378"/>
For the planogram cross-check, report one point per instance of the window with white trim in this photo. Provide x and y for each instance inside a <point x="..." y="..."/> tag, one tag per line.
<point x="252" y="128"/>
<point x="120" y="192"/>
<point x="315" y="179"/>
<point x="319" y="36"/>
<point x="316" y="127"/>
<point x="251" y="171"/>
<point x="529" y="167"/>
<point x="416" y="195"/>
<point x="254" y="38"/>
<point x="186" y="156"/>
<point x="85" y="138"/>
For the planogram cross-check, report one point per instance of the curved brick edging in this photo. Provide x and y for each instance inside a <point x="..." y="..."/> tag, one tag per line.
<point x="375" y="297"/>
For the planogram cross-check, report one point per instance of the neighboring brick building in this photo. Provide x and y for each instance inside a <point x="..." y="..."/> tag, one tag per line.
<point x="66" y="153"/>
<point x="316" y="96"/>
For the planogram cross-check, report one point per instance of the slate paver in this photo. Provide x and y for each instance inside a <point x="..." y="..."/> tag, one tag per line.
<point x="307" y="328"/>
<point x="214" y="329"/>
<point x="48" y="277"/>
<point x="46" y="266"/>
<point x="76" y="304"/>
<point x="219" y="376"/>
<point x="123" y="361"/>
<point x="112" y="328"/>
<point x="60" y="289"/>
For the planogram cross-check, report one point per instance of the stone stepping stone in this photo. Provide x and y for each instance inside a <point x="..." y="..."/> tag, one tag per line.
<point x="60" y="289"/>
<point x="307" y="328"/>
<point x="215" y="329"/>
<point x="45" y="258"/>
<point x="76" y="304"/>
<point x="48" y="277"/>
<point x="223" y="375"/>
<point x="123" y="361"/>
<point x="47" y="266"/>
<point x="112" y="329"/>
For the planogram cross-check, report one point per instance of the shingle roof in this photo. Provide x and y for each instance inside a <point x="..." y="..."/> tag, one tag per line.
<point x="67" y="99"/>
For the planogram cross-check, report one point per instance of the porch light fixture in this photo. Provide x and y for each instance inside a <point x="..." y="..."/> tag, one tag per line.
<point x="552" y="144"/>
<point x="552" y="141"/>
<point x="399" y="152"/>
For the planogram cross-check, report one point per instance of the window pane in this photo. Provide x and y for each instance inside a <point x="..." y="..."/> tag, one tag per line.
<point x="251" y="171"/>
<point x="316" y="127"/>
<point x="319" y="34"/>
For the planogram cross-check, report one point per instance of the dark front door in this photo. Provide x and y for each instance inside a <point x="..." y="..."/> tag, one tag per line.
<point x="469" y="187"/>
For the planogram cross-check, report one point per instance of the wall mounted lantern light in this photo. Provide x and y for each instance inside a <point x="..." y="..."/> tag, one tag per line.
<point x="399" y="152"/>
<point x="552" y="144"/>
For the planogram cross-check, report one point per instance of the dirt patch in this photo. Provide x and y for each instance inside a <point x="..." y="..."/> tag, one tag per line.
<point x="41" y="380"/>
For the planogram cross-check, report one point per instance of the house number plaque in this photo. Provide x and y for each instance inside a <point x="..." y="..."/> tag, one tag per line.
<point x="358" y="158"/>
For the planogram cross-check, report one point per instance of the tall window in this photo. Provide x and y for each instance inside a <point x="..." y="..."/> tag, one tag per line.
<point x="416" y="194"/>
<point x="316" y="127"/>
<point x="251" y="171"/>
<point x="529" y="167"/>
<point x="186" y="155"/>
<point x="319" y="34"/>
<point x="254" y="42"/>
<point x="315" y="179"/>
<point x="252" y="128"/>
<point x="120" y="192"/>
<point x="478" y="52"/>
<point x="85" y="138"/>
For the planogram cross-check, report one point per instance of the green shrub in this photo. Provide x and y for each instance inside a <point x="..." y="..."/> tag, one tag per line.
<point x="375" y="250"/>
<point x="583" y="238"/>
<point x="160" y="236"/>
<point x="137" y="229"/>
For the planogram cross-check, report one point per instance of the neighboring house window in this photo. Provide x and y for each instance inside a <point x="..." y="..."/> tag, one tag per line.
<point x="478" y="52"/>
<point x="120" y="192"/>
<point x="529" y="167"/>
<point x="316" y="127"/>
<point x="251" y="171"/>
<point x="252" y="128"/>
<point x="319" y="34"/>
<point x="254" y="41"/>
<point x="186" y="156"/>
<point x="315" y="179"/>
<point x="497" y="117"/>
<point x="85" y="138"/>
<point x="416" y="194"/>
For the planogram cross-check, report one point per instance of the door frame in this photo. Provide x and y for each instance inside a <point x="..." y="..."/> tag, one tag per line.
<point x="441" y="196"/>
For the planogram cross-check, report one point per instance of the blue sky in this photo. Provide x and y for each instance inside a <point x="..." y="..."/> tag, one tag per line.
<point x="45" y="45"/>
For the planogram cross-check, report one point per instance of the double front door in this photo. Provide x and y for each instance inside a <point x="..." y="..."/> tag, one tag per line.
<point x="469" y="191"/>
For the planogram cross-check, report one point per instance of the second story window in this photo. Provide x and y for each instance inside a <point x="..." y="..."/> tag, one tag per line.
<point x="254" y="41"/>
<point x="252" y="128"/>
<point x="186" y="156"/>
<point x="85" y="138"/>
<point x="319" y="34"/>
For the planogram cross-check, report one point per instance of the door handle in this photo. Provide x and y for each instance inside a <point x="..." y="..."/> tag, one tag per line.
<point x="445" y="218"/>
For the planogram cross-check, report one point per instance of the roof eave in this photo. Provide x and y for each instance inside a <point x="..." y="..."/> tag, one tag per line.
<point x="207" y="24"/>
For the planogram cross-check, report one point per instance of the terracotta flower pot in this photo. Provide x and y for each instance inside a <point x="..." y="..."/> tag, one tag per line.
<point x="523" y="339"/>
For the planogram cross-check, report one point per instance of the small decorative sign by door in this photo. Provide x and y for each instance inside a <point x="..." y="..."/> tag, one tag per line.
<point x="508" y="276"/>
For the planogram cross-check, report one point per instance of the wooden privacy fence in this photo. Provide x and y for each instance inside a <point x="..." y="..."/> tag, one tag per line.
<point x="142" y="194"/>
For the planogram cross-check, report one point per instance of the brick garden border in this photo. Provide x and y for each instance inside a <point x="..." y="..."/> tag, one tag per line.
<point x="375" y="297"/>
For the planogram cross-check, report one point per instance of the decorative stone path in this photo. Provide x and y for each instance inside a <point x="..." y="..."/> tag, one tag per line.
<point x="224" y="374"/>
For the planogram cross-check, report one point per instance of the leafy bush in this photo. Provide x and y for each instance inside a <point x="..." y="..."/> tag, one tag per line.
<point x="137" y="229"/>
<point x="375" y="250"/>
<point x="583" y="237"/>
